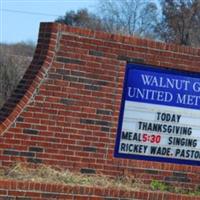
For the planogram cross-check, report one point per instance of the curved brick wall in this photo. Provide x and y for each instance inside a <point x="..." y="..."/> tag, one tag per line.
<point x="65" y="110"/>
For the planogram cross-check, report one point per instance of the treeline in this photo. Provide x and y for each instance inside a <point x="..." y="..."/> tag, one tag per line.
<point x="14" y="60"/>
<point x="174" y="21"/>
<point x="171" y="21"/>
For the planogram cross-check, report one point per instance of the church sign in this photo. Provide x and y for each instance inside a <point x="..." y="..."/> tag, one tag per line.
<point x="160" y="116"/>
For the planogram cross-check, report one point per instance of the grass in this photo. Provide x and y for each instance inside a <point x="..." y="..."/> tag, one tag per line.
<point x="161" y="186"/>
<point x="44" y="173"/>
<point x="47" y="174"/>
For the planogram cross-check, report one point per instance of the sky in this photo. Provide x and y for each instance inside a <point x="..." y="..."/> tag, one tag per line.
<point x="20" y="19"/>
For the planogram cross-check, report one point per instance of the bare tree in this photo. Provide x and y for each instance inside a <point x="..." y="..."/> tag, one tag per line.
<point x="180" y="22"/>
<point x="133" y="17"/>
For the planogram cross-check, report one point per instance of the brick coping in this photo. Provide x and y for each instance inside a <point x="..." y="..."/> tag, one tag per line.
<point x="30" y="189"/>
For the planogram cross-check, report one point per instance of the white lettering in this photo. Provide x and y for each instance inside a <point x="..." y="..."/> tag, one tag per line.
<point x="162" y="82"/>
<point x="196" y="86"/>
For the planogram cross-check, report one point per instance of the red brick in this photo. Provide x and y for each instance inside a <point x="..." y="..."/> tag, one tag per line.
<point x="59" y="126"/>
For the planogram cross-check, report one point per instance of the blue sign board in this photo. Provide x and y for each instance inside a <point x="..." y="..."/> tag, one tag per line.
<point x="160" y="116"/>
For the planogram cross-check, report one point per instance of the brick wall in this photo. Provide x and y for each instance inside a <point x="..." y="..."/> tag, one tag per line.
<point x="19" y="190"/>
<point x="64" y="112"/>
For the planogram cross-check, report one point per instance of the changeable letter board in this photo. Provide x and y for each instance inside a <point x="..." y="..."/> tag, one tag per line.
<point x="160" y="116"/>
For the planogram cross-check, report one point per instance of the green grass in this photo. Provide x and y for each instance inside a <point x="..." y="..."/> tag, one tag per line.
<point x="161" y="186"/>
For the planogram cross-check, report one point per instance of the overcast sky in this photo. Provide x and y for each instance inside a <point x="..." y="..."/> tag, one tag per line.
<point x="19" y="19"/>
